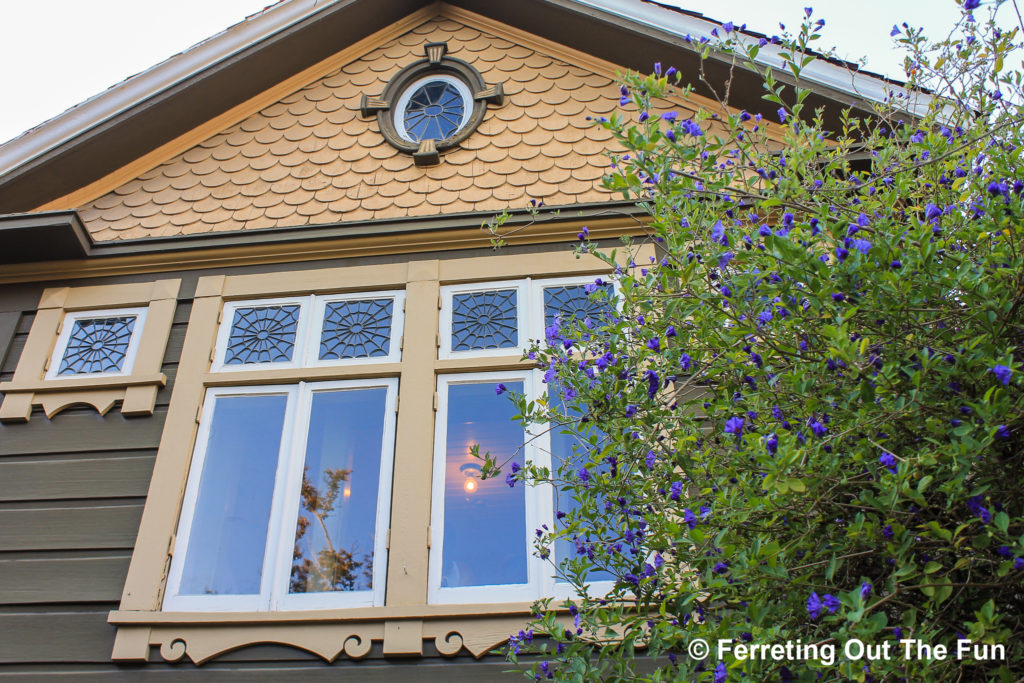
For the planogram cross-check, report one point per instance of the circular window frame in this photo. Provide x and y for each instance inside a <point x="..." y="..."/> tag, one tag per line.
<point x="436" y="65"/>
<point x="399" y="110"/>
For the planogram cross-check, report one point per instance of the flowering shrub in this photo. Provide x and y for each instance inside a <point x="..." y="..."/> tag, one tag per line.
<point x="805" y="420"/>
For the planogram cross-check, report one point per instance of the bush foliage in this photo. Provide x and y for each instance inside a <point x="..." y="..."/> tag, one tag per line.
<point x="804" y="422"/>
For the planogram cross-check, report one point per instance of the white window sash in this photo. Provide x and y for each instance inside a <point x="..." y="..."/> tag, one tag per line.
<point x="65" y="336"/>
<point x="522" y="319"/>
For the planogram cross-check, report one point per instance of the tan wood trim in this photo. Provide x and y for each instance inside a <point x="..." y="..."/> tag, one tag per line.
<point x="262" y="254"/>
<point x="576" y="58"/>
<point x="72" y="383"/>
<point x="186" y="141"/>
<point x="147" y="571"/>
<point x="293" y="375"/>
<point x="421" y="611"/>
<point x="485" y="364"/>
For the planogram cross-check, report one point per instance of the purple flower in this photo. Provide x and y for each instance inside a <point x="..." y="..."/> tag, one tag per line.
<point x="652" y="383"/>
<point x="819" y="429"/>
<point x="931" y="212"/>
<point x="583" y="234"/>
<point x="657" y="68"/>
<point x="691" y="127"/>
<point x="1002" y="374"/>
<point x="654" y="344"/>
<point x="814" y="606"/>
<point x="684" y="361"/>
<point x="671" y="331"/>
<point x="650" y="459"/>
<point x="718" y="234"/>
<point x="972" y="4"/>
<point x="865" y="590"/>
<point x="1003" y="432"/>
<point x="831" y="603"/>
<point x="675" y="491"/>
<point x="721" y="567"/>
<point x="887" y="460"/>
<point x="630" y="410"/>
<point x="689" y="517"/>
<point x="772" y="443"/>
<point x="976" y="508"/>
<point x="670" y="116"/>
<point x="500" y="389"/>
<point x="838" y="297"/>
<point x="863" y="246"/>
<point x="887" y="532"/>
<point x="1018" y="563"/>
<point x="721" y="673"/>
<point x="670" y="72"/>
<point x="728" y="27"/>
<point x="895" y="30"/>
<point x="734" y="425"/>
<point x="782" y="114"/>
<point x="583" y="474"/>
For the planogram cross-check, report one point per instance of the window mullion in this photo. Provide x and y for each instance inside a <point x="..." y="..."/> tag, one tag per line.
<point x="286" y="488"/>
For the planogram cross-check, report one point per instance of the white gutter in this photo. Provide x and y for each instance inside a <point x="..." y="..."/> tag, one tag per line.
<point x="860" y="86"/>
<point x="142" y="86"/>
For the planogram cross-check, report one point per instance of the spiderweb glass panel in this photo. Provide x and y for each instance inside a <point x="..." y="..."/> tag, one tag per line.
<point x="434" y="111"/>
<point x="572" y="301"/>
<point x="262" y="335"/>
<point x="484" y="320"/>
<point x="356" y="329"/>
<point x="97" y="345"/>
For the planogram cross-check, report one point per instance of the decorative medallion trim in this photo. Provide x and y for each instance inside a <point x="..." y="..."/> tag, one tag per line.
<point x="455" y="79"/>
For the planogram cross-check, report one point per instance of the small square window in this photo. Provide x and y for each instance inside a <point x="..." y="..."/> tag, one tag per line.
<point x="262" y="334"/>
<point x="97" y="343"/>
<point x="575" y="301"/>
<point x="484" y="320"/>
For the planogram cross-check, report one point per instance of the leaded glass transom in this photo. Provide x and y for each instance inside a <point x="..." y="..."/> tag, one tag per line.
<point x="262" y="335"/>
<point x="573" y="301"/>
<point x="356" y="329"/>
<point x="97" y="345"/>
<point x="485" y="320"/>
<point x="434" y="112"/>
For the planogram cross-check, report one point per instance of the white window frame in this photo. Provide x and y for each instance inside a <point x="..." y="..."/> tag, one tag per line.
<point x="407" y="93"/>
<point x="319" y="310"/>
<point x="226" y="323"/>
<point x="65" y="336"/>
<point x="538" y="505"/>
<point x="309" y="330"/>
<point x="524" y="329"/>
<point x="537" y="297"/>
<point x="277" y="557"/>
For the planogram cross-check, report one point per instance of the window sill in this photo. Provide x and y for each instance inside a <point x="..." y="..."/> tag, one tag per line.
<point x="137" y="393"/>
<point x="202" y="636"/>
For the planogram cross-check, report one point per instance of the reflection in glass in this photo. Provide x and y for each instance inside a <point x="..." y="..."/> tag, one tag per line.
<point x="485" y="320"/>
<point x="97" y="345"/>
<point x="229" y="529"/>
<point x="568" y="447"/>
<point x="484" y="522"/>
<point x="334" y="532"/>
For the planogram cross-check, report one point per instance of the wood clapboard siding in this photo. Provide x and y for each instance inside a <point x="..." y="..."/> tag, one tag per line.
<point x="71" y="496"/>
<point x="63" y="577"/>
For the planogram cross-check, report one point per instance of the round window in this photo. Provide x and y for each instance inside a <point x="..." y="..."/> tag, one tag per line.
<point x="433" y="108"/>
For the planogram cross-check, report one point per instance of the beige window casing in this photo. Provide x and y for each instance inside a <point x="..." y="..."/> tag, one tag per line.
<point x="136" y="388"/>
<point x="406" y="619"/>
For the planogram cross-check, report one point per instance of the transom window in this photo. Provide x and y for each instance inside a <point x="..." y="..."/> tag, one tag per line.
<point x="97" y="343"/>
<point x="310" y="331"/>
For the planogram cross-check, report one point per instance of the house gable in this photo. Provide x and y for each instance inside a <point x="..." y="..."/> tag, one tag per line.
<point x="310" y="158"/>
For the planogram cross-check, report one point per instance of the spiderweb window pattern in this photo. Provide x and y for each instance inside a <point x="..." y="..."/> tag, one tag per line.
<point x="262" y="335"/>
<point x="356" y="329"/>
<point x="573" y="301"/>
<point x="484" y="320"/>
<point x="434" y="112"/>
<point x="97" y="345"/>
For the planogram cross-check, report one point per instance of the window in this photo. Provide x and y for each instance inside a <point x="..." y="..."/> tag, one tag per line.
<point x="484" y="531"/>
<point x="97" y="343"/>
<point x="286" y="506"/>
<point x="312" y="462"/>
<point x="433" y="108"/>
<point x="288" y="496"/>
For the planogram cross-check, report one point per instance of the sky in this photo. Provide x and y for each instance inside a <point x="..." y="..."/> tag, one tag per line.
<point x="57" y="53"/>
